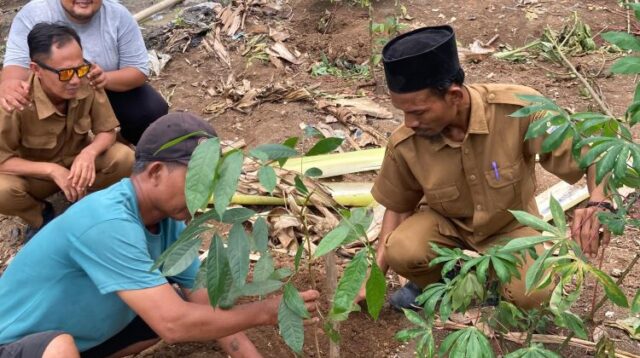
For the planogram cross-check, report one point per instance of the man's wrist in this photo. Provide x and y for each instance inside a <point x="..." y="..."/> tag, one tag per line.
<point x="602" y="204"/>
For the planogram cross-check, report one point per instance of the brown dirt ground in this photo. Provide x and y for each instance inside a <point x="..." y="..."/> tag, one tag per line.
<point x="189" y="74"/>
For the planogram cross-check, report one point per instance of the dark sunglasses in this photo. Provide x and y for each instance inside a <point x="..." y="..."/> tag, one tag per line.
<point x="66" y="74"/>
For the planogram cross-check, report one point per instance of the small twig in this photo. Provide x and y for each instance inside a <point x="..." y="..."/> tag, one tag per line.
<point x="618" y="282"/>
<point x="595" y="289"/>
<point x="568" y="63"/>
<point x="492" y="40"/>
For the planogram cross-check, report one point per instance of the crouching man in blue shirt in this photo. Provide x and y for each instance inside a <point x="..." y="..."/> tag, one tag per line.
<point x="83" y="284"/>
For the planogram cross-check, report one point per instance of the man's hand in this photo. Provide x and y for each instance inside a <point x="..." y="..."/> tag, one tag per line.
<point x="97" y="77"/>
<point x="310" y="298"/>
<point x="60" y="176"/>
<point x="14" y="94"/>
<point x="83" y="170"/>
<point x="585" y="230"/>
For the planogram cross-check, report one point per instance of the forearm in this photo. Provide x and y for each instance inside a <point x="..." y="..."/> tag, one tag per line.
<point x="13" y="72"/>
<point x="390" y="222"/>
<point x="27" y="168"/>
<point x="124" y="79"/>
<point x="101" y="142"/>
<point x="597" y="191"/>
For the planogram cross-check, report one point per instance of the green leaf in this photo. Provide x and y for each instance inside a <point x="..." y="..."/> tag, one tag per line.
<point x="181" y="257"/>
<point x="227" y="182"/>
<point x="558" y="215"/>
<point x="522" y="243"/>
<point x="276" y="151"/>
<point x="290" y="142"/>
<point x="376" y="291"/>
<point x="180" y="139"/>
<point x="415" y="318"/>
<point x="594" y="153"/>
<point x="556" y="138"/>
<point x="533" y="221"/>
<point x="622" y="39"/>
<point x="574" y="323"/>
<point x="629" y="65"/>
<point x="261" y="235"/>
<point x="481" y="270"/>
<point x="294" y="302"/>
<point x="186" y="236"/>
<point x="291" y="327"/>
<point x="534" y="351"/>
<point x="613" y="292"/>
<point x="200" y="174"/>
<point x="238" y="250"/>
<point x="298" y="257"/>
<point x="538" y="127"/>
<point x="501" y="270"/>
<point x="604" y="166"/>
<point x="408" y="334"/>
<point x="331" y="240"/>
<point x="529" y="110"/>
<point x="310" y="131"/>
<point x="635" y="305"/>
<point x="263" y="268"/>
<point x="267" y="178"/>
<point x="281" y="274"/>
<point x="323" y="146"/>
<point x="235" y="215"/>
<point x="426" y="346"/>
<point x="450" y="340"/>
<point x="349" y="285"/>
<point x="217" y="270"/>
<point x="261" y="288"/>
<point x="620" y="169"/>
<point x="300" y="187"/>
<point x="313" y="172"/>
<point x="536" y="270"/>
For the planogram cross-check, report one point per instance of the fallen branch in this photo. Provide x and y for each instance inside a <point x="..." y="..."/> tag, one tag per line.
<point x="592" y="92"/>
<point x="139" y="16"/>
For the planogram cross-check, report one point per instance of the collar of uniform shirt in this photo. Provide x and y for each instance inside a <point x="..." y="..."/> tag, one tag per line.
<point x="42" y="102"/>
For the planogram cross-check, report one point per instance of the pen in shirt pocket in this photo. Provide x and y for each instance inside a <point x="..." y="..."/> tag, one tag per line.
<point x="494" y="165"/>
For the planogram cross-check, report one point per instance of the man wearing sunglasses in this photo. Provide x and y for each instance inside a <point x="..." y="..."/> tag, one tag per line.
<point x="48" y="147"/>
<point x="114" y="45"/>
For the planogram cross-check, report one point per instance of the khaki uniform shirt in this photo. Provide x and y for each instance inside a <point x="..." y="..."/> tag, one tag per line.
<point x="40" y="133"/>
<point x="458" y="180"/>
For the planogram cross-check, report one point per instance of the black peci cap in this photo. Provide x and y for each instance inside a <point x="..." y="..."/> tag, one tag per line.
<point x="168" y="128"/>
<point x="420" y="59"/>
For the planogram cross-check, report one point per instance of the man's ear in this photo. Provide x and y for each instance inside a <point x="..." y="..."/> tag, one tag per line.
<point x="35" y="68"/>
<point x="154" y="171"/>
<point x="454" y="93"/>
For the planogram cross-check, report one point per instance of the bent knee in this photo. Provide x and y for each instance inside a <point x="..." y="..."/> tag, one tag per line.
<point x="63" y="346"/>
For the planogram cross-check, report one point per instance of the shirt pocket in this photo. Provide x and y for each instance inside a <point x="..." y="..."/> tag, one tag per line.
<point x="82" y="125"/>
<point x="444" y="200"/>
<point x="504" y="185"/>
<point x="43" y="135"/>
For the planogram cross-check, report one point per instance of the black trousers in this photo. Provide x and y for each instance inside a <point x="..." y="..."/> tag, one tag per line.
<point x="136" y="331"/>
<point x="137" y="109"/>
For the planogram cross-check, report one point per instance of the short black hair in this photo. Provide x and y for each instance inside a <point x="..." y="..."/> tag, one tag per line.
<point x="45" y="35"/>
<point x="441" y="88"/>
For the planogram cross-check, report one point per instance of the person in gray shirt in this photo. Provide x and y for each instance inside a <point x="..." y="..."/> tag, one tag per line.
<point x="112" y="43"/>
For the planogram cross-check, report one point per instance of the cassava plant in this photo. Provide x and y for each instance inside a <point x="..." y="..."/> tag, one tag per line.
<point x="597" y="139"/>
<point x="212" y="177"/>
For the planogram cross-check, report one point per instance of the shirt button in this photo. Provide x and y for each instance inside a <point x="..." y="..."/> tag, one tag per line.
<point x="478" y="207"/>
<point x="491" y="96"/>
<point x="472" y="177"/>
<point x="466" y="150"/>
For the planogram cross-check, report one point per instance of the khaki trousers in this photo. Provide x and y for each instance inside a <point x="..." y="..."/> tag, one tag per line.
<point x="408" y="252"/>
<point x="22" y="196"/>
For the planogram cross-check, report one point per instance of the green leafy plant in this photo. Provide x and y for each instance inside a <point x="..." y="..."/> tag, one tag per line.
<point x="597" y="139"/>
<point x="212" y="177"/>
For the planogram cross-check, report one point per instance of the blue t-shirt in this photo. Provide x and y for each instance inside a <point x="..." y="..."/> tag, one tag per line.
<point x="67" y="276"/>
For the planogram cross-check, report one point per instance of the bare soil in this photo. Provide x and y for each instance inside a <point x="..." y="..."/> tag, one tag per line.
<point x="191" y="73"/>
